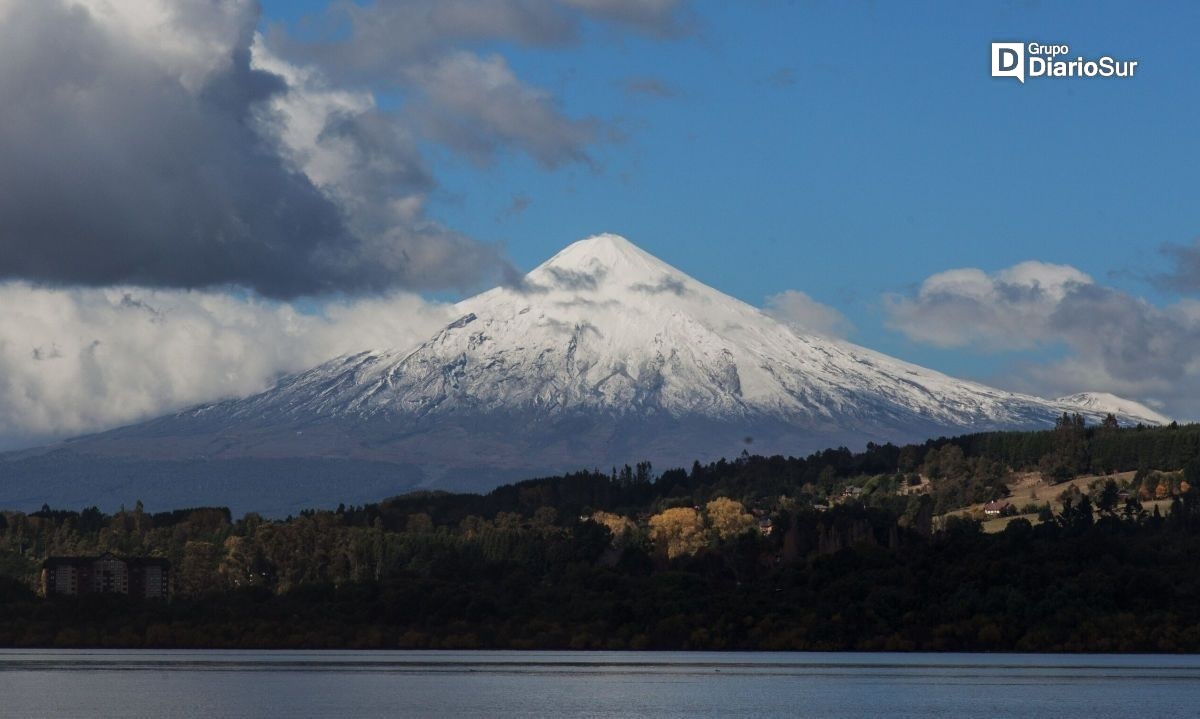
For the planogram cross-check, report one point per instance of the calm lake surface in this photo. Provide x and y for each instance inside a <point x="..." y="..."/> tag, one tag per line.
<point x="87" y="683"/>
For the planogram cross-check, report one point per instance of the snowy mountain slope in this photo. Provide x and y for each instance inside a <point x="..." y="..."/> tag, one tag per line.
<point x="604" y="327"/>
<point x="603" y="355"/>
<point x="1101" y="403"/>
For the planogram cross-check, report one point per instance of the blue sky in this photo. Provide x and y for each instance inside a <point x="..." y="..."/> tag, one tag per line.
<point x="853" y="149"/>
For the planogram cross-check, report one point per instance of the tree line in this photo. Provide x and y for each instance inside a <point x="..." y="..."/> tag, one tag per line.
<point x="749" y="553"/>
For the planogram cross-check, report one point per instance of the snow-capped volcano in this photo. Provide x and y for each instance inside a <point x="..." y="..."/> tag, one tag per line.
<point x="604" y="328"/>
<point x="603" y="355"/>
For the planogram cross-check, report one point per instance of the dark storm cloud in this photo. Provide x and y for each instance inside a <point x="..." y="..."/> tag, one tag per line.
<point x="114" y="171"/>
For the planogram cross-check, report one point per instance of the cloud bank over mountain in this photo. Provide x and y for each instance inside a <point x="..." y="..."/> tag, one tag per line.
<point x="1112" y="339"/>
<point x="85" y="359"/>
<point x="796" y="309"/>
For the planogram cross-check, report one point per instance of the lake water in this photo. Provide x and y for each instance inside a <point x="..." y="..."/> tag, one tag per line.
<point x="289" y="684"/>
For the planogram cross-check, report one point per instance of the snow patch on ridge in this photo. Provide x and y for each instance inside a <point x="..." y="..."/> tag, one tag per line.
<point x="1104" y="403"/>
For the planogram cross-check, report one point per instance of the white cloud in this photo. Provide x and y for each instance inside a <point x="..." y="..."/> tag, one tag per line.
<point x="967" y="307"/>
<point x="802" y="312"/>
<point x="471" y="102"/>
<point x="192" y="41"/>
<point x="80" y="360"/>
<point x="477" y="106"/>
<point x="1115" y="341"/>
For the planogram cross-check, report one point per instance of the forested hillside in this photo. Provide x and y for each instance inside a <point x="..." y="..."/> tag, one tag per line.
<point x="836" y="550"/>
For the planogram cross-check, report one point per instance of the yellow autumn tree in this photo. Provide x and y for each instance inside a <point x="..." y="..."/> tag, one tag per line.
<point x="727" y="517"/>
<point x="615" y="523"/>
<point x="680" y="531"/>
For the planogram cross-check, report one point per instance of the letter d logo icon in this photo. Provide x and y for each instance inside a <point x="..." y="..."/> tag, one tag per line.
<point x="1008" y="60"/>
